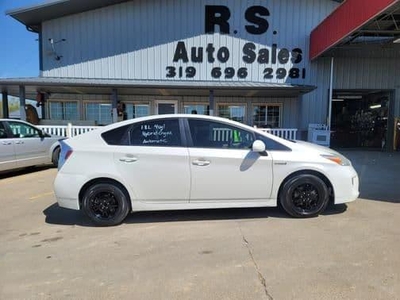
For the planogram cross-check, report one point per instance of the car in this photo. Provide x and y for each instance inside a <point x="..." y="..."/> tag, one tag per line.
<point x="188" y="161"/>
<point x="24" y="145"/>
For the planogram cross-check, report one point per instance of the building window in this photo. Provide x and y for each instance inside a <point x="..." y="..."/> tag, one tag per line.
<point x="63" y="110"/>
<point x="99" y="112"/>
<point x="201" y="109"/>
<point x="137" y="110"/>
<point x="232" y="112"/>
<point x="267" y="115"/>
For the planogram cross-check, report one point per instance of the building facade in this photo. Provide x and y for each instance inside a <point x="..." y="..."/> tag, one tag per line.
<point x="256" y="62"/>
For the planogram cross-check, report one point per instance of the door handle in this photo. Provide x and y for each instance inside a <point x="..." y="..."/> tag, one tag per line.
<point x="6" y="143"/>
<point x="128" y="159"/>
<point x="19" y="142"/>
<point x="201" y="162"/>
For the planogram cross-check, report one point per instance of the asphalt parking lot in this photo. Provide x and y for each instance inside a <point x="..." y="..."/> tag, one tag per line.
<point x="350" y="252"/>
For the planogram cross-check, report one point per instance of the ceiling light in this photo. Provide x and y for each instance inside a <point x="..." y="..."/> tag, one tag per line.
<point x="352" y="97"/>
<point x="375" y="106"/>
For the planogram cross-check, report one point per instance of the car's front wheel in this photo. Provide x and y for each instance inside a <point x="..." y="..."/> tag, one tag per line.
<point x="304" y="195"/>
<point x="106" y="204"/>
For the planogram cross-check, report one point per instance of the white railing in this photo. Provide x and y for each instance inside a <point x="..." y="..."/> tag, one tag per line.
<point x="220" y="134"/>
<point x="66" y="130"/>
<point x="285" y="133"/>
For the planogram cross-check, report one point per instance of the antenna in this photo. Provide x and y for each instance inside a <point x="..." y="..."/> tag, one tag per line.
<point x="53" y="48"/>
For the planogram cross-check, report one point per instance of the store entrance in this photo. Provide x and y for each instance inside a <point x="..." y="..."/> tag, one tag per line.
<point x="359" y="119"/>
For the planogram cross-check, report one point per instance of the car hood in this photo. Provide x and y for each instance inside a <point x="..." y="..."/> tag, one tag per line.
<point x="314" y="147"/>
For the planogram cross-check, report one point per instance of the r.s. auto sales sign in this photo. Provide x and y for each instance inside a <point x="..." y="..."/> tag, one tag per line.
<point x="274" y="62"/>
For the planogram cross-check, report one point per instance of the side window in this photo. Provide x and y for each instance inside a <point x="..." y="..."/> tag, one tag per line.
<point x="272" y="145"/>
<point x="118" y="136"/>
<point x="21" y="130"/>
<point x="209" y="134"/>
<point x="159" y="133"/>
<point x="3" y="132"/>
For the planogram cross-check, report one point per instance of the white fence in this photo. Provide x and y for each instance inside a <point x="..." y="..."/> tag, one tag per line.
<point x="72" y="130"/>
<point x="285" y="133"/>
<point x="67" y="130"/>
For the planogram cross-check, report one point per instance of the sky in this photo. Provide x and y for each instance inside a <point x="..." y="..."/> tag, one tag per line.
<point x="19" y="51"/>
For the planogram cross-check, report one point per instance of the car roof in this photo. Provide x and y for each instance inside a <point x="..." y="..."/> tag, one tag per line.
<point x="18" y="120"/>
<point x="169" y="116"/>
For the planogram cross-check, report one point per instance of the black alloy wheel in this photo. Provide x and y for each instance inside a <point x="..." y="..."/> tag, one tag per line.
<point x="106" y="204"/>
<point x="304" y="195"/>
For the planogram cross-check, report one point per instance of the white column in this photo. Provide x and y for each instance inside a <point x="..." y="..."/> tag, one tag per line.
<point x="22" y="102"/>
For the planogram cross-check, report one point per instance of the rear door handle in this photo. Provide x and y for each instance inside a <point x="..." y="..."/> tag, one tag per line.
<point x="19" y="142"/>
<point x="201" y="162"/>
<point x="128" y="159"/>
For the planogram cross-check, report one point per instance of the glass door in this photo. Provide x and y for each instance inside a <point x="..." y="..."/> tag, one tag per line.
<point x="164" y="107"/>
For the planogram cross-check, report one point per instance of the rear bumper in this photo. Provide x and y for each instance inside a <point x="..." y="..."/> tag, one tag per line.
<point x="66" y="189"/>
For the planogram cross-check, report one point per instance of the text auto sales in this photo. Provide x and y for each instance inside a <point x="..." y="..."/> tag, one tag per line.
<point x="219" y="16"/>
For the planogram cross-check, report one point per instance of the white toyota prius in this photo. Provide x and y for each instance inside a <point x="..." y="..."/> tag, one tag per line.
<point x="171" y="162"/>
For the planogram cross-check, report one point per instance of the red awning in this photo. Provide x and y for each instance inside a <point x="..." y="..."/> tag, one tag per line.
<point x="347" y="18"/>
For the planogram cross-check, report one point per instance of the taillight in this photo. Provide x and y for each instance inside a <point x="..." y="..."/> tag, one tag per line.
<point x="66" y="152"/>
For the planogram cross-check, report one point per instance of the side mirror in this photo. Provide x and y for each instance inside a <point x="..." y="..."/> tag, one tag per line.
<point x="43" y="134"/>
<point x="258" y="146"/>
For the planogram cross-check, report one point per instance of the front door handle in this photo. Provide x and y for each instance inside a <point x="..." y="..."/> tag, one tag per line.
<point x="128" y="159"/>
<point x="201" y="162"/>
<point x="6" y="143"/>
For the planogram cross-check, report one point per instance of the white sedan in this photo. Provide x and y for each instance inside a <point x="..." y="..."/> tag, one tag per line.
<point x="24" y="145"/>
<point x="171" y="162"/>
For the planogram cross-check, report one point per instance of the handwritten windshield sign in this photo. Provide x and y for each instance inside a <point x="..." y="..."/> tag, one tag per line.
<point x="155" y="134"/>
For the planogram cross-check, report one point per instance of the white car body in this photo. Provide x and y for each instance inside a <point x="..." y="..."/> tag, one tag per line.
<point x="185" y="177"/>
<point x="24" y="145"/>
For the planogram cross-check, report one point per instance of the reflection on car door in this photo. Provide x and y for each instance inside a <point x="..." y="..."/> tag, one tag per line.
<point x="223" y="167"/>
<point x="30" y="148"/>
<point x="7" y="151"/>
<point x="151" y="158"/>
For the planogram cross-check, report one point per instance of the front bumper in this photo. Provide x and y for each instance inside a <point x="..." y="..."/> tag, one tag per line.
<point x="346" y="185"/>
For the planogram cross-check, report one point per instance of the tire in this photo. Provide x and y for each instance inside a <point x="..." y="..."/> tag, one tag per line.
<point x="106" y="204"/>
<point x="56" y="156"/>
<point x="304" y="196"/>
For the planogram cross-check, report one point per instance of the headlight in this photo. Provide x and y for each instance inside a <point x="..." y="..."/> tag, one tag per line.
<point x="337" y="158"/>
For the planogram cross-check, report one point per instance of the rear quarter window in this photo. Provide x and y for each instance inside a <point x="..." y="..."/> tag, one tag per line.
<point x="117" y="136"/>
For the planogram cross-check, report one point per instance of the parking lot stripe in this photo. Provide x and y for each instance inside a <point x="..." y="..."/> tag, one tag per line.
<point x="41" y="195"/>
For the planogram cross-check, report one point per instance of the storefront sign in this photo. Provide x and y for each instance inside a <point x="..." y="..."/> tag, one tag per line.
<point x="273" y="62"/>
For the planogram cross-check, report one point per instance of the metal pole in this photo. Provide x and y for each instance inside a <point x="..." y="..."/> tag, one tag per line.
<point x="330" y="97"/>
<point x="6" y="113"/>
<point x="211" y="102"/>
<point x="114" y="102"/>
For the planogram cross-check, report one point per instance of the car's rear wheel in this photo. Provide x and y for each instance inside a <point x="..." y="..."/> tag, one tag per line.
<point x="304" y="196"/>
<point x="106" y="204"/>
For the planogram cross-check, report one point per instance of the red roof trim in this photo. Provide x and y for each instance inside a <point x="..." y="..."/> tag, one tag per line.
<point x="347" y="18"/>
